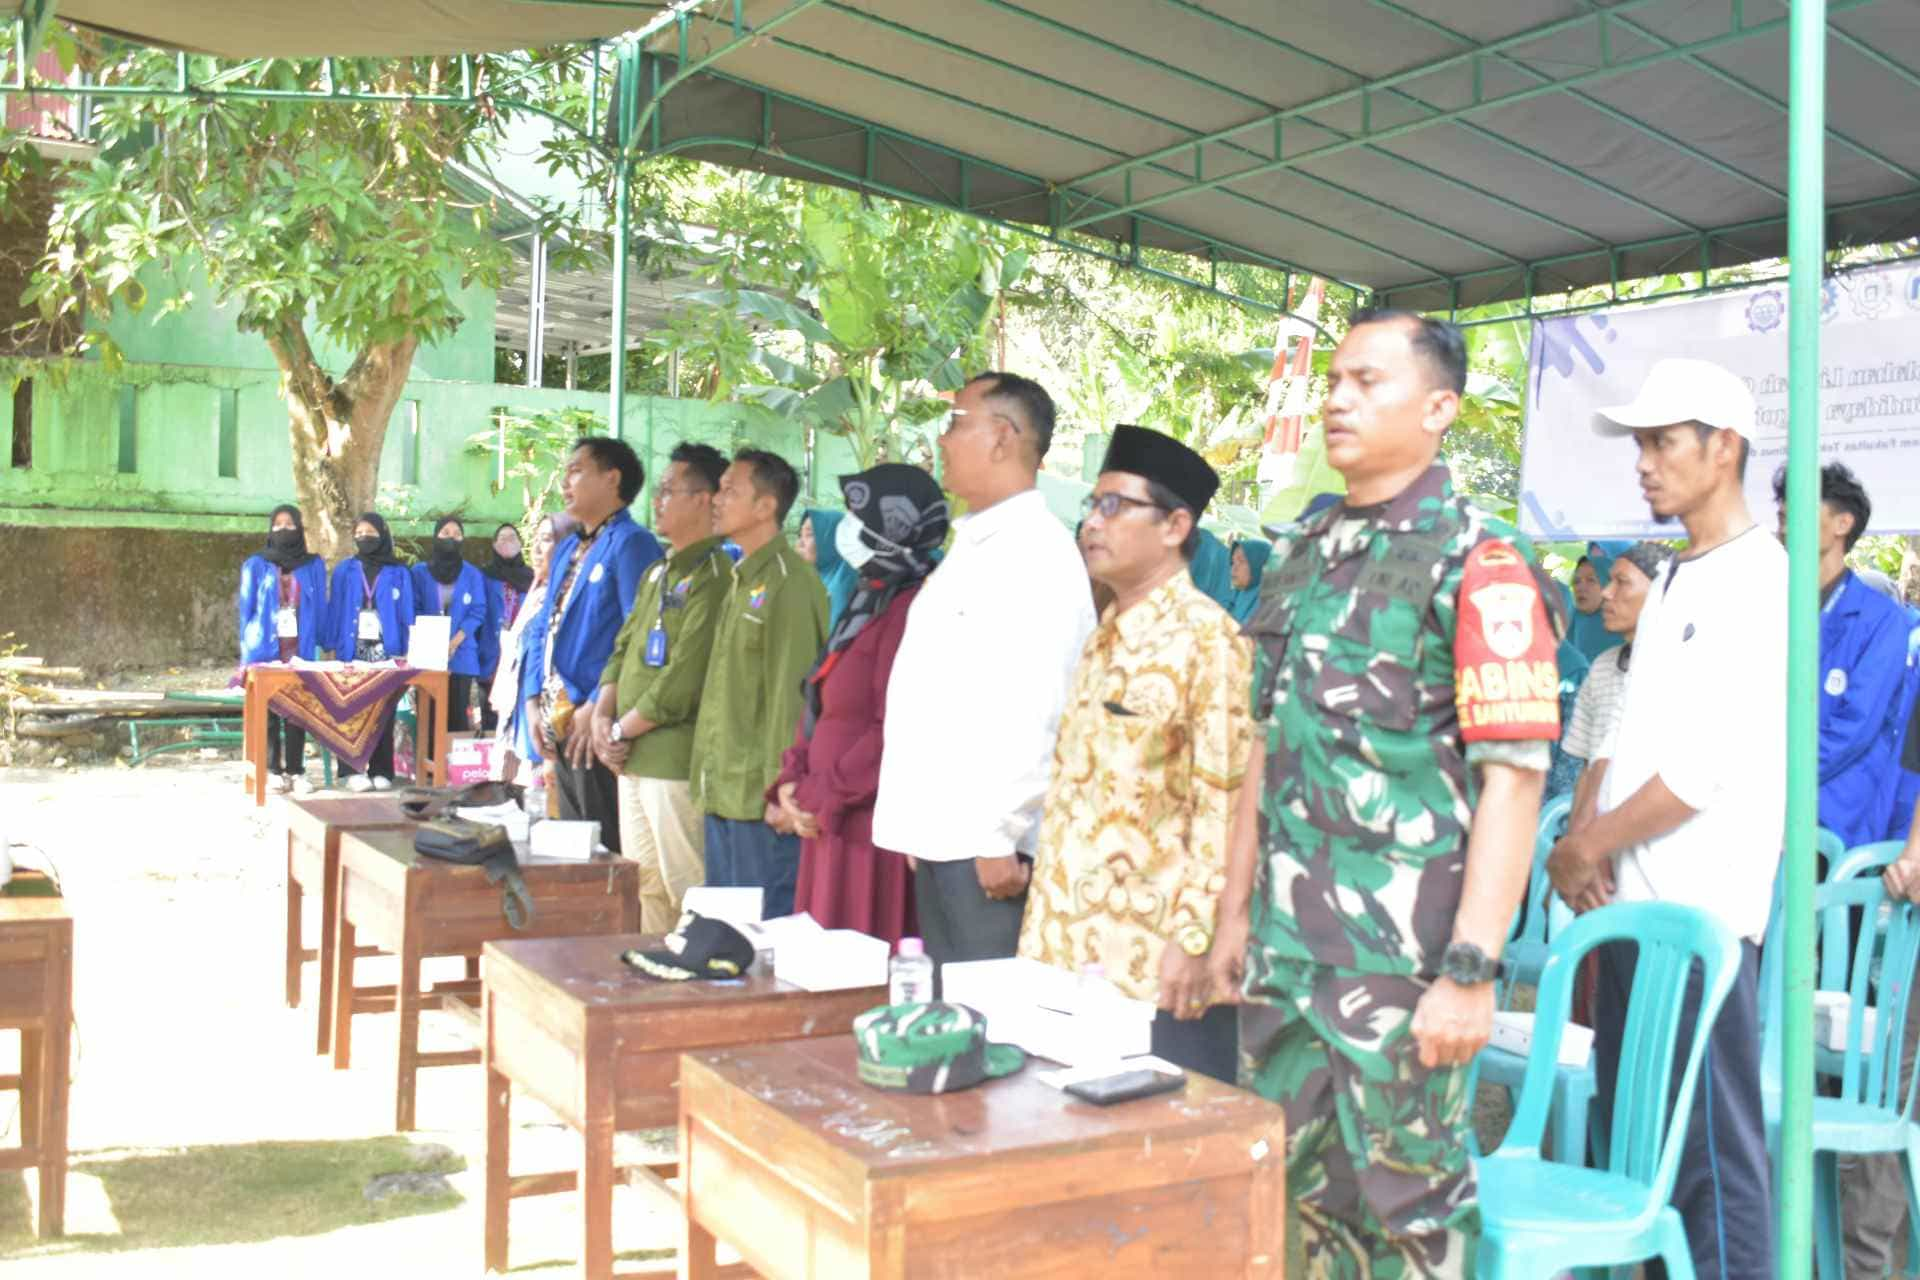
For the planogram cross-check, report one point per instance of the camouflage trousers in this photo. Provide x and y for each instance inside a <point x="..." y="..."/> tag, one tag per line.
<point x="1377" y="1145"/>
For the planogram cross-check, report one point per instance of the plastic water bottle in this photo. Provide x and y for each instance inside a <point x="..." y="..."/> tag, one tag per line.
<point x="910" y="974"/>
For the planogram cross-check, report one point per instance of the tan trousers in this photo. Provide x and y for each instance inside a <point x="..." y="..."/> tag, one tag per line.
<point x="662" y="831"/>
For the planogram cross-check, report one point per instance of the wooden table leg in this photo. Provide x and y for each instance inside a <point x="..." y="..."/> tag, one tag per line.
<point x="406" y="1003"/>
<point x="254" y="732"/>
<point x="55" y="1056"/>
<point x="295" y="950"/>
<point x="499" y="1169"/>
<point x="596" y="1159"/>
<point x="329" y="938"/>
<point x="343" y="951"/>
<point x="32" y="1048"/>
<point x="698" y="1259"/>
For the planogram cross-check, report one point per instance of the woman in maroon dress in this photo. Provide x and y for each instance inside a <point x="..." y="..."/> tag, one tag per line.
<point x="896" y="521"/>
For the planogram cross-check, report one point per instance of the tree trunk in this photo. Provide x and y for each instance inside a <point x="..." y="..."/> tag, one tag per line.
<point x="337" y="430"/>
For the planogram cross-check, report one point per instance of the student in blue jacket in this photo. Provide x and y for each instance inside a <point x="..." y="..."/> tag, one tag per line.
<point x="447" y="584"/>
<point x="1863" y="668"/>
<point x="283" y="614"/>
<point x="372" y="602"/>
<point x="509" y="579"/>
<point x="593" y="579"/>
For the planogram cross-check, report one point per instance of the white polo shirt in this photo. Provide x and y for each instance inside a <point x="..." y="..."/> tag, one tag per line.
<point x="1706" y="710"/>
<point x="974" y="699"/>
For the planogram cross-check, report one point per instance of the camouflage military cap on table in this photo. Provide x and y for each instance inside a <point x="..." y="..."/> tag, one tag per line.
<point x="930" y="1048"/>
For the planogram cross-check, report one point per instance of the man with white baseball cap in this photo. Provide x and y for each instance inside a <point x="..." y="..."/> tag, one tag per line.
<point x="1693" y="806"/>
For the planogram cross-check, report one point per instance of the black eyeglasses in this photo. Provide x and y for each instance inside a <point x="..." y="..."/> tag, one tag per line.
<point x="1109" y="504"/>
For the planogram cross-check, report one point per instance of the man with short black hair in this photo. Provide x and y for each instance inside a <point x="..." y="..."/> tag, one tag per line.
<point x="1153" y="741"/>
<point x="974" y="699"/>
<point x="773" y="620"/>
<point x="1863" y="666"/>
<point x="596" y="575"/>
<point x="1692" y="807"/>
<point x="649" y="699"/>
<point x="1405" y="698"/>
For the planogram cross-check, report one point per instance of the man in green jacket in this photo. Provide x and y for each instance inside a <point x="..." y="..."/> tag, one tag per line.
<point x="772" y="623"/>
<point x="649" y="698"/>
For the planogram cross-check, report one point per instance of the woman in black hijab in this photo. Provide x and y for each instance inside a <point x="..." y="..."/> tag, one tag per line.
<point x="283" y="615"/>
<point x="896" y="521"/>
<point x="509" y="578"/>
<point x="373" y="609"/>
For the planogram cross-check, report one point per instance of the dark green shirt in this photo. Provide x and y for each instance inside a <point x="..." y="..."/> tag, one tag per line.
<point x="683" y="593"/>
<point x="772" y="624"/>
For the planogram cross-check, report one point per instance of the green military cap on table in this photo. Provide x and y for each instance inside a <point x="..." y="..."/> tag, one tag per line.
<point x="930" y="1048"/>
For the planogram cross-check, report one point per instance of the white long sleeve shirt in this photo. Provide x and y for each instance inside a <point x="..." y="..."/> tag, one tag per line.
<point x="974" y="700"/>
<point x="1706" y="711"/>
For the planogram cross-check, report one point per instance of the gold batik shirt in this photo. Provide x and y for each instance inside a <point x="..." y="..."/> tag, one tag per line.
<point x="1152" y="745"/>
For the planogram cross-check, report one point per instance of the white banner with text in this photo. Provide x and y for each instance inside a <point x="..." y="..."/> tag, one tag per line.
<point x="1575" y="484"/>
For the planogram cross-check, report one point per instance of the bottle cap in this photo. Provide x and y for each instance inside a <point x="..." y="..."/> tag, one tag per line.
<point x="912" y="947"/>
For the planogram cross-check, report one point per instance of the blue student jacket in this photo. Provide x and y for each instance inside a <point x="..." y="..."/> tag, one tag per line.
<point x="603" y="595"/>
<point x="392" y="600"/>
<point x="466" y="605"/>
<point x="260" y="601"/>
<point x="1906" y="786"/>
<point x="1863" y="670"/>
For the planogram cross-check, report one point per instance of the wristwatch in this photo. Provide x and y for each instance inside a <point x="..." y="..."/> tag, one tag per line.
<point x="1194" y="939"/>
<point x="616" y="734"/>
<point x="1469" y="966"/>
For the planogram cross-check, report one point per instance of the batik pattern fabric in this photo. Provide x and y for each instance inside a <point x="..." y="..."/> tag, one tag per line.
<point x="347" y="709"/>
<point x="1399" y="646"/>
<point x="1151" y="749"/>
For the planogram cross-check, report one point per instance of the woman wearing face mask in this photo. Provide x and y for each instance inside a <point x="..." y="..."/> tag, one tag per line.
<point x="896" y="521"/>
<point x="372" y="606"/>
<point x="815" y="543"/>
<point x="504" y="698"/>
<point x="283" y="615"/>
<point x="447" y="584"/>
<point x="509" y="578"/>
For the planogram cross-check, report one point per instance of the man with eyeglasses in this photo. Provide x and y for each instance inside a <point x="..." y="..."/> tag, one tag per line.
<point x="649" y="698"/>
<point x="974" y="699"/>
<point x="1133" y="841"/>
<point x="1405" y="695"/>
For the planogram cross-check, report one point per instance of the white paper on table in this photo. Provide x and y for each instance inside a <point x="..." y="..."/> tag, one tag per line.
<point x="561" y="838"/>
<point x="1050" y="1012"/>
<point x="736" y="906"/>
<point x="831" y="959"/>
<point x="1513" y="1031"/>
<point x="428" y="642"/>
<point x="508" y="815"/>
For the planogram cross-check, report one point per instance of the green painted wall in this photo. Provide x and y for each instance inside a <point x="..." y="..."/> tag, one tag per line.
<point x="203" y="334"/>
<point x="75" y="480"/>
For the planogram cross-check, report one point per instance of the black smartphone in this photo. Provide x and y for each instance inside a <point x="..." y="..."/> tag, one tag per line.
<point x="1126" y="1086"/>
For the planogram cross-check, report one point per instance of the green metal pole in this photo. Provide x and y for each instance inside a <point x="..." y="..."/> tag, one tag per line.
<point x="1806" y="253"/>
<point x="617" y="375"/>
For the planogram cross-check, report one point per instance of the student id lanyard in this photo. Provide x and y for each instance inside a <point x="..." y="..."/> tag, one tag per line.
<point x="369" y="617"/>
<point x="286" y="619"/>
<point x="656" y="652"/>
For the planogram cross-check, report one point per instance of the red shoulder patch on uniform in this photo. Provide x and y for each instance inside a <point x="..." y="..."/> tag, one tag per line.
<point x="1505" y="680"/>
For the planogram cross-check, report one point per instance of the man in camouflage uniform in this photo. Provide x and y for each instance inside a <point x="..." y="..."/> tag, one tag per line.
<point x="1406" y="683"/>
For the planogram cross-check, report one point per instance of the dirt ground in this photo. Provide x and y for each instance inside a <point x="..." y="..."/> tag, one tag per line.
<point x="209" y="1139"/>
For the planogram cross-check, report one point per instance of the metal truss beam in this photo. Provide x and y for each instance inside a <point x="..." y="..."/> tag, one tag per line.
<point x="1609" y="67"/>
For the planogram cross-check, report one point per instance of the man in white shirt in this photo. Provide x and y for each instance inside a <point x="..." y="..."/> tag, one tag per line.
<point x="974" y="700"/>
<point x="1693" y="804"/>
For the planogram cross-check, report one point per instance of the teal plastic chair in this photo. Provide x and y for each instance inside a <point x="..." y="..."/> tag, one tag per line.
<point x="1542" y="1219"/>
<point x="1869" y="1114"/>
<point x="1573" y="1087"/>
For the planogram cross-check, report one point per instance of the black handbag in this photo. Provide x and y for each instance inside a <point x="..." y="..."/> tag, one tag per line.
<point x="486" y="845"/>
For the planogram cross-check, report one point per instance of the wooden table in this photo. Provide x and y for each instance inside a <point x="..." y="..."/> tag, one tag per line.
<point x="600" y="1044"/>
<point x="36" y="999"/>
<point x="264" y="680"/>
<point x="314" y="826"/>
<point x="790" y="1159"/>
<point x="418" y="907"/>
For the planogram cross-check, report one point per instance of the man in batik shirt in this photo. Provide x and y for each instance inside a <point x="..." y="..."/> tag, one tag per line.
<point x="1133" y="836"/>
<point x="1405" y="696"/>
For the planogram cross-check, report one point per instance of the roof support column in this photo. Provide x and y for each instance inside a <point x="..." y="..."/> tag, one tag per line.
<point x="537" y="313"/>
<point x="1806" y="254"/>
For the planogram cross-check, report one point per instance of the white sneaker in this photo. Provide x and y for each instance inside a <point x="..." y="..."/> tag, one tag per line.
<point x="383" y="784"/>
<point x="280" y="784"/>
<point x="359" y="782"/>
<point x="301" y="787"/>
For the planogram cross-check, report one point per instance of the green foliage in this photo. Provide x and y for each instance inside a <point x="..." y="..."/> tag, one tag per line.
<point x="533" y="450"/>
<point x="845" y="313"/>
